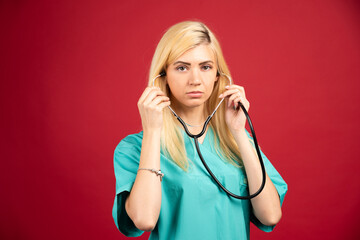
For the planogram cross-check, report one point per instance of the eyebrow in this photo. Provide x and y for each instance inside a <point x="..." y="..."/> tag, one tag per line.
<point x="186" y="63"/>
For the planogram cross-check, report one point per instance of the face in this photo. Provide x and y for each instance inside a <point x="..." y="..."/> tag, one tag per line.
<point x="191" y="77"/>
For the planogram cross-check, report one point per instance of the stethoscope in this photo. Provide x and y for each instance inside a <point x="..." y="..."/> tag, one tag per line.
<point x="196" y="136"/>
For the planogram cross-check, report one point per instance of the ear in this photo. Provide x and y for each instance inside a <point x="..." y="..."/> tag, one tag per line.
<point x="217" y="76"/>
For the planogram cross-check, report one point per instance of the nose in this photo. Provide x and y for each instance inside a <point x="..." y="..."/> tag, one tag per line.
<point x="195" y="77"/>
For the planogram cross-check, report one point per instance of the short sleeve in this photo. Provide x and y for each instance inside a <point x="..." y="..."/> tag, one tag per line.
<point x="279" y="184"/>
<point x="126" y="162"/>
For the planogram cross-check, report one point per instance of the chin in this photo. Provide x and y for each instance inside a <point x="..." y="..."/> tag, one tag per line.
<point x="194" y="103"/>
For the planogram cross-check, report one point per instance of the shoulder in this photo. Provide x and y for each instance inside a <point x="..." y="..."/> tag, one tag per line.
<point x="130" y="141"/>
<point x="248" y="134"/>
<point x="129" y="148"/>
<point x="132" y="138"/>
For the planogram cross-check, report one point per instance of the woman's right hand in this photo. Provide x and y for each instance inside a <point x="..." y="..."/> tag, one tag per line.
<point x="151" y="104"/>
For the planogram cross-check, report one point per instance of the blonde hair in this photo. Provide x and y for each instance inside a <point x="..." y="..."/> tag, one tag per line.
<point x="178" y="39"/>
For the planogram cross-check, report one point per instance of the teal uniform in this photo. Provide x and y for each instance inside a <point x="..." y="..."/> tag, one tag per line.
<point x="192" y="205"/>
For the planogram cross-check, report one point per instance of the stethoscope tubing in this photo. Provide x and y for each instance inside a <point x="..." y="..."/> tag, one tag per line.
<point x="196" y="136"/>
<point x="257" y="151"/>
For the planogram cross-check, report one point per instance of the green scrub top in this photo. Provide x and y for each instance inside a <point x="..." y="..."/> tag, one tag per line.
<point x="192" y="205"/>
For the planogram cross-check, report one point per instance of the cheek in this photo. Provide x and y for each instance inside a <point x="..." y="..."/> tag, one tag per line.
<point x="210" y="88"/>
<point x="174" y="87"/>
<point x="172" y="84"/>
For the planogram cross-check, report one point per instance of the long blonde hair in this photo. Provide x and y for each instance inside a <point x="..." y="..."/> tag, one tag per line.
<point x="178" y="39"/>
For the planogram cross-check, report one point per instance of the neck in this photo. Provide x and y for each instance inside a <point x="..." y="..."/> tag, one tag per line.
<point x="191" y="115"/>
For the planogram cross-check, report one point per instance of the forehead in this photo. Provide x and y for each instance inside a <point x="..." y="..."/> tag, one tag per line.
<point x="197" y="54"/>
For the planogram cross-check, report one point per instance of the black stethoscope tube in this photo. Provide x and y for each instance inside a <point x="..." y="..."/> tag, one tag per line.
<point x="195" y="137"/>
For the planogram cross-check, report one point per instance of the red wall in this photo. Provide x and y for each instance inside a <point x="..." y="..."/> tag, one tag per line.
<point x="71" y="74"/>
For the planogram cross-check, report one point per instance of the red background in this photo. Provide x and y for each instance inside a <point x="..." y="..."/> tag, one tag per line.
<point x="72" y="71"/>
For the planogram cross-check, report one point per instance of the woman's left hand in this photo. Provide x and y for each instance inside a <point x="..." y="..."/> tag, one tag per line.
<point x="235" y="118"/>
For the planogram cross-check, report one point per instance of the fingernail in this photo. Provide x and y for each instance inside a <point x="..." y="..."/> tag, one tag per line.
<point x="227" y="86"/>
<point x="220" y="96"/>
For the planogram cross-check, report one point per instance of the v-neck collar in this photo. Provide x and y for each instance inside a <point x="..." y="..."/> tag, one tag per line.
<point x="206" y="136"/>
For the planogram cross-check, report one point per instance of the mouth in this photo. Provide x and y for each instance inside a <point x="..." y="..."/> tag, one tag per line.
<point x="195" y="94"/>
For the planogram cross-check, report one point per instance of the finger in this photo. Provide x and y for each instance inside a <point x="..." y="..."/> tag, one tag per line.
<point x="229" y="92"/>
<point x="236" y="101"/>
<point x="159" y="99"/>
<point x="242" y="89"/>
<point x="145" y="94"/>
<point x="243" y="101"/>
<point x="233" y="97"/>
<point x="152" y="95"/>
<point x="162" y="105"/>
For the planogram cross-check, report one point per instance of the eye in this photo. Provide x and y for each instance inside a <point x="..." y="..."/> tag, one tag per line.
<point x="207" y="67"/>
<point x="181" y="68"/>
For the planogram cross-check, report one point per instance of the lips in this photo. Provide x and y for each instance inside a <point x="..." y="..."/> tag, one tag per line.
<point x="195" y="94"/>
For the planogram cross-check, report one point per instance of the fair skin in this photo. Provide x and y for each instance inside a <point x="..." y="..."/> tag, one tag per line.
<point x="191" y="79"/>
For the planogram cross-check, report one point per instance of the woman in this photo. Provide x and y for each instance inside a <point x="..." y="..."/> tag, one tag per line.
<point x="185" y="203"/>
